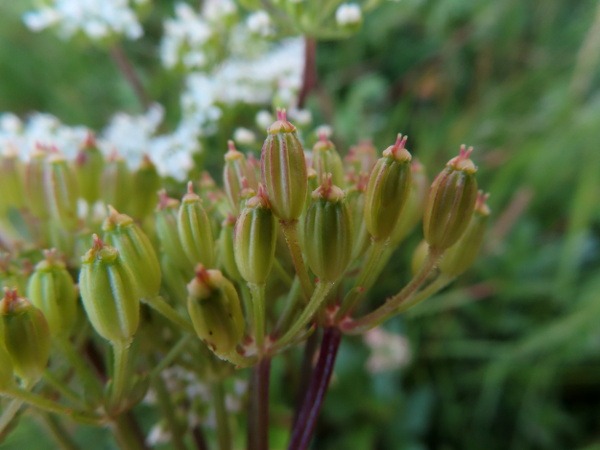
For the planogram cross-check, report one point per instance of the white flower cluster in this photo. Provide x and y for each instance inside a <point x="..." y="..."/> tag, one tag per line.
<point x="188" y="34"/>
<point x="348" y="14"/>
<point x="389" y="351"/>
<point x="95" y="19"/>
<point x="131" y="136"/>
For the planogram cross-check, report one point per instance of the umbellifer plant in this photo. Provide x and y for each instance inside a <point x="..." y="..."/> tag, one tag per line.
<point x="211" y="287"/>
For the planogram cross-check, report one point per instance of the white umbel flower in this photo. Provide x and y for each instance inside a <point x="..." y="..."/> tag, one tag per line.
<point x="348" y="14"/>
<point x="260" y="23"/>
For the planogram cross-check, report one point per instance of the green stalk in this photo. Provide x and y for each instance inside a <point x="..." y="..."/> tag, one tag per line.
<point x="62" y="388"/>
<point x="170" y="356"/>
<point x="88" y="379"/>
<point x="9" y="413"/>
<point x="168" y="411"/>
<point x="120" y="371"/>
<point x="290" y="231"/>
<point x="308" y="313"/>
<point x="223" y="431"/>
<point x="258" y="314"/>
<point x="290" y="307"/>
<point x="125" y="434"/>
<point x="58" y="432"/>
<point x="161" y="306"/>
<point x="438" y="284"/>
<point x="359" y="326"/>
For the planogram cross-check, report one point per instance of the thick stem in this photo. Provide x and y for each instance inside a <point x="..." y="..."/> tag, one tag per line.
<point x="306" y="370"/>
<point x="258" y="314"/>
<point x="223" y="431"/>
<point x="161" y="306"/>
<point x="307" y="419"/>
<point x="358" y="326"/>
<point x="258" y="414"/>
<point x="323" y="288"/>
<point x="126" y="435"/>
<point x="124" y="64"/>
<point x="290" y="231"/>
<point x="309" y="76"/>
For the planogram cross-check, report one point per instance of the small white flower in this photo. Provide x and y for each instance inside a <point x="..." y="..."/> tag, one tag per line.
<point x="300" y="117"/>
<point x="264" y="119"/>
<point x="348" y="14"/>
<point x="244" y="136"/>
<point x="389" y="351"/>
<point x="260" y="23"/>
<point x="324" y="130"/>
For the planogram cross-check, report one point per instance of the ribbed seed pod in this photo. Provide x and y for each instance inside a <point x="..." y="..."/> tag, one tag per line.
<point x="195" y="230"/>
<point x="116" y="182"/>
<point x="226" y="249"/>
<point x="109" y="293"/>
<point x="26" y="335"/>
<point x="89" y="164"/>
<point x="283" y="169"/>
<point x="237" y="170"/>
<point x="35" y="190"/>
<point x="388" y="189"/>
<point x="255" y="237"/>
<point x="52" y="290"/>
<point x="11" y="181"/>
<point x="135" y="249"/>
<point x="168" y="235"/>
<point x="450" y="202"/>
<point x="62" y="191"/>
<point x="419" y="256"/>
<point x="326" y="160"/>
<point x="215" y="309"/>
<point x="6" y="369"/>
<point x="146" y="183"/>
<point x="415" y="204"/>
<point x="458" y="258"/>
<point x="328" y="233"/>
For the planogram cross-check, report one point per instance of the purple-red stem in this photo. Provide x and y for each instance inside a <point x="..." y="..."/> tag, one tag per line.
<point x="309" y="76"/>
<point x="124" y="64"/>
<point x="307" y="419"/>
<point x="258" y="417"/>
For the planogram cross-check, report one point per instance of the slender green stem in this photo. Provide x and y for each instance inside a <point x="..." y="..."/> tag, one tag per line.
<point x="290" y="231"/>
<point x="48" y="405"/>
<point x="366" y="278"/>
<point x="290" y="307"/>
<point x="120" y="371"/>
<point x="58" y="432"/>
<point x="88" y="378"/>
<point x="124" y="431"/>
<point x="358" y="326"/>
<point x="9" y="413"/>
<point x="438" y="284"/>
<point x="308" y="313"/>
<point x="168" y="411"/>
<point x="239" y="360"/>
<point x="223" y="432"/>
<point x="258" y="314"/>
<point x="281" y="273"/>
<point x="62" y="388"/>
<point x="170" y="356"/>
<point x="160" y="305"/>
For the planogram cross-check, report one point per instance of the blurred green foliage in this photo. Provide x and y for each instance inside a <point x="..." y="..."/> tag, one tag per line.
<point x="508" y="357"/>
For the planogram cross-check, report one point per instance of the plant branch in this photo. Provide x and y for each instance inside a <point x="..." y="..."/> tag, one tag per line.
<point x="124" y="64"/>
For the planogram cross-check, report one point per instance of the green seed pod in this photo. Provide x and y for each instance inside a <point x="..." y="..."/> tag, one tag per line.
<point x="166" y="230"/>
<point x="215" y="309"/>
<point x="135" y="249"/>
<point x="109" y="293"/>
<point x="146" y="182"/>
<point x="52" y="290"/>
<point x="255" y="238"/>
<point x="326" y="160"/>
<point x="415" y="204"/>
<point x="89" y="164"/>
<point x="11" y="181"/>
<point x="26" y="335"/>
<point x="283" y="169"/>
<point x="10" y="275"/>
<point x="458" y="258"/>
<point x="355" y="200"/>
<point x="328" y="233"/>
<point x="35" y="190"/>
<point x="195" y="230"/>
<point x="388" y="189"/>
<point x="6" y="370"/>
<point x="62" y="191"/>
<point x="116" y="182"/>
<point x="237" y="176"/>
<point x="450" y="202"/>
<point x="226" y="249"/>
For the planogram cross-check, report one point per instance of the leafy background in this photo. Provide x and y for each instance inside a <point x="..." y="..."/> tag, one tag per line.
<point x="507" y="357"/>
